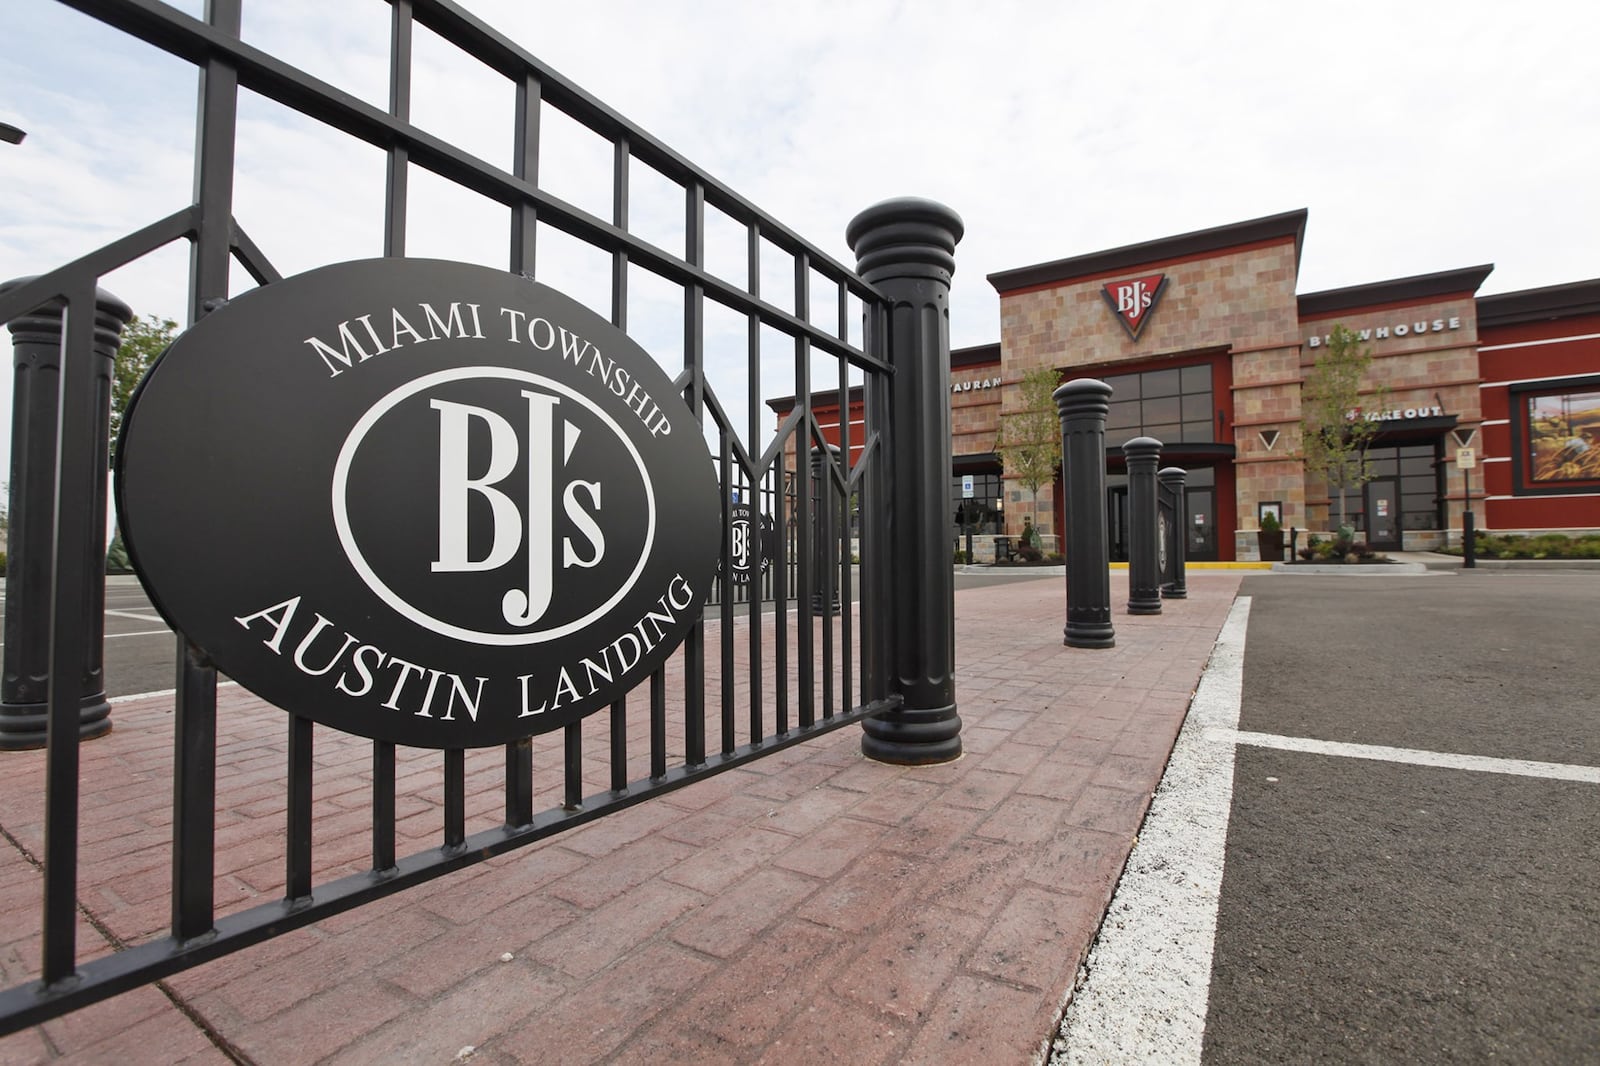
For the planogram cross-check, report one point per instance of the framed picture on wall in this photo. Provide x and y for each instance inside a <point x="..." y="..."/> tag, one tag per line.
<point x="1556" y="436"/>
<point x="1269" y="507"/>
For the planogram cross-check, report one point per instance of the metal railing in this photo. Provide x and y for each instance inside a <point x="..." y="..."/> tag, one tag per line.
<point x="838" y="657"/>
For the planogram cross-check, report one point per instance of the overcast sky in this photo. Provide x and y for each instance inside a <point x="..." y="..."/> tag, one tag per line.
<point x="1420" y="136"/>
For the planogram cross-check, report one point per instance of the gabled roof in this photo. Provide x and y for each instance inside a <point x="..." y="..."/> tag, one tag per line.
<point x="1400" y="290"/>
<point x="1534" y="305"/>
<point x="1217" y="239"/>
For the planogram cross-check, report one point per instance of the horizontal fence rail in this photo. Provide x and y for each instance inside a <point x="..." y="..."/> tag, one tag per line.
<point x="795" y="653"/>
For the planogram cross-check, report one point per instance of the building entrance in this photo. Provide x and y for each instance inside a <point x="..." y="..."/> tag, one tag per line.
<point x="1200" y="509"/>
<point x="1382" y="505"/>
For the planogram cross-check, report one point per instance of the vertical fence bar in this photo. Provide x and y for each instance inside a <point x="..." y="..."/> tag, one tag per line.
<point x="194" y="734"/>
<point x="907" y="248"/>
<point x="72" y="538"/>
<point x="783" y="535"/>
<point x="805" y="487"/>
<point x="519" y="783"/>
<point x="297" y="853"/>
<point x="753" y="442"/>
<point x="383" y="805"/>
<point x="194" y="793"/>
<point x="658" y="723"/>
<point x="725" y="685"/>
<point x="455" y="797"/>
<point x="525" y="165"/>
<point x="621" y="161"/>
<point x="619" y="745"/>
<point x="846" y="407"/>
<point x="396" y="198"/>
<point x="572" y="766"/>
<point x="694" y="337"/>
<point x="396" y="183"/>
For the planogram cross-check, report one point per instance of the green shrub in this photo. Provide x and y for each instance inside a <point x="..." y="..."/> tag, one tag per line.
<point x="1538" y="546"/>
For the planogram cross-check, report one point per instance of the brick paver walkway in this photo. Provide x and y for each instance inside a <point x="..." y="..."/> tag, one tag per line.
<point x="810" y="907"/>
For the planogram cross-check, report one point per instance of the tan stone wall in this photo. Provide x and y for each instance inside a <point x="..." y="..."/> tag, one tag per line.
<point x="1420" y="370"/>
<point x="1243" y="298"/>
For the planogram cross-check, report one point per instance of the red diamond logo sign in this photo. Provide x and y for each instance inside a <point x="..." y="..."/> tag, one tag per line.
<point x="1134" y="300"/>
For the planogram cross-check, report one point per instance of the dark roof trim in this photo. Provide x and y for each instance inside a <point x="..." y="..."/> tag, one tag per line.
<point x="1400" y="290"/>
<point x="977" y="355"/>
<point x="1535" y="305"/>
<point x="829" y="399"/>
<point x="1288" y="224"/>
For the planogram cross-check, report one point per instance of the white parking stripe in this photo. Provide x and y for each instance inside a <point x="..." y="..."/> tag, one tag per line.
<point x="143" y="616"/>
<point x="161" y="692"/>
<point x="1445" y="759"/>
<point x="1141" y="997"/>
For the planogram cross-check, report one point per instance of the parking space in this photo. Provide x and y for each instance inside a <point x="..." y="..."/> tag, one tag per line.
<point x="1411" y="773"/>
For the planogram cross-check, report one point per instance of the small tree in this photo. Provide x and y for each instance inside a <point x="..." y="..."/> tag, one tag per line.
<point x="1029" y="444"/>
<point x="1335" y="431"/>
<point x="142" y="340"/>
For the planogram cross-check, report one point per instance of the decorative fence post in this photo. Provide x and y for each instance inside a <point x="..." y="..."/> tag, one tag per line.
<point x="36" y="377"/>
<point x="1083" y="405"/>
<point x="825" y="529"/>
<point x="906" y="247"/>
<point x="1174" y="531"/>
<point x="1144" y="568"/>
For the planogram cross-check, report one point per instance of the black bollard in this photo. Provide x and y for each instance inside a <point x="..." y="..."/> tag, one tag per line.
<point x="1083" y="405"/>
<point x="906" y="247"/>
<point x="1144" y="568"/>
<point x="1173" y="531"/>
<point x="36" y="376"/>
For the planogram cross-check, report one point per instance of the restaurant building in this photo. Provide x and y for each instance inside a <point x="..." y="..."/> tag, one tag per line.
<point x="1205" y="340"/>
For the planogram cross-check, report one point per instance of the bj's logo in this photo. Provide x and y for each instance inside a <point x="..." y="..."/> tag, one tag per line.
<point x="450" y="484"/>
<point x="533" y="480"/>
<point x="1134" y="300"/>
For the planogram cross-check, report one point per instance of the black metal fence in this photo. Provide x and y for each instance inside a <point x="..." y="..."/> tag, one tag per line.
<point x="885" y="652"/>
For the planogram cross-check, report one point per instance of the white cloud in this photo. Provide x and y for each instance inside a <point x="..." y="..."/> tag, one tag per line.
<point x="1421" y="137"/>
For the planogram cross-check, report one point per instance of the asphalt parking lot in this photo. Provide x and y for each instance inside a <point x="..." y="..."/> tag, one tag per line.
<point x="1411" y="772"/>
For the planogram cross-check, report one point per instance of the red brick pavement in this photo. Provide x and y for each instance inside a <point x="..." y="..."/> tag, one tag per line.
<point x="810" y="907"/>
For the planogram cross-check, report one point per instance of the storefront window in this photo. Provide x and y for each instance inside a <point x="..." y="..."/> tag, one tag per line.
<point x="1415" y="470"/>
<point x="983" y="512"/>
<point x="1174" y="406"/>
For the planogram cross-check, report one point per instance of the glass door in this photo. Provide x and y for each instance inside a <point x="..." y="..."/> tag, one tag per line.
<point x="1382" y="501"/>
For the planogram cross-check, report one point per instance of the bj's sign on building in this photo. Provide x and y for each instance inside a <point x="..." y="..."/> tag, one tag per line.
<point x="1134" y="300"/>
<point x="419" y="501"/>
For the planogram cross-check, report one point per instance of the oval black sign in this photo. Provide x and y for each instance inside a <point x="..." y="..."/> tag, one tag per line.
<point x="423" y="502"/>
<point x="750" y="543"/>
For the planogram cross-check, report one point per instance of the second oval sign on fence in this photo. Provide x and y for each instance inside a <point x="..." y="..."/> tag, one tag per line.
<point x="419" y="501"/>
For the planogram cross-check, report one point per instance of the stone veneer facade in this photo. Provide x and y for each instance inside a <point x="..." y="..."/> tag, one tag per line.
<point x="1229" y="304"/>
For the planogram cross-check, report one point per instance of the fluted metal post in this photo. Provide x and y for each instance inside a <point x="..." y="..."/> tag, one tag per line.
<point x="906" y="247"/>
<point x="1174" y="538"/>
<point x="1144" y="569"/>
<point x="36" y="378"/>
<point x="1083" y="405"/>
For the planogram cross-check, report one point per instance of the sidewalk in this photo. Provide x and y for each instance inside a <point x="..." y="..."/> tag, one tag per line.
<point x="811" y="907"/>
